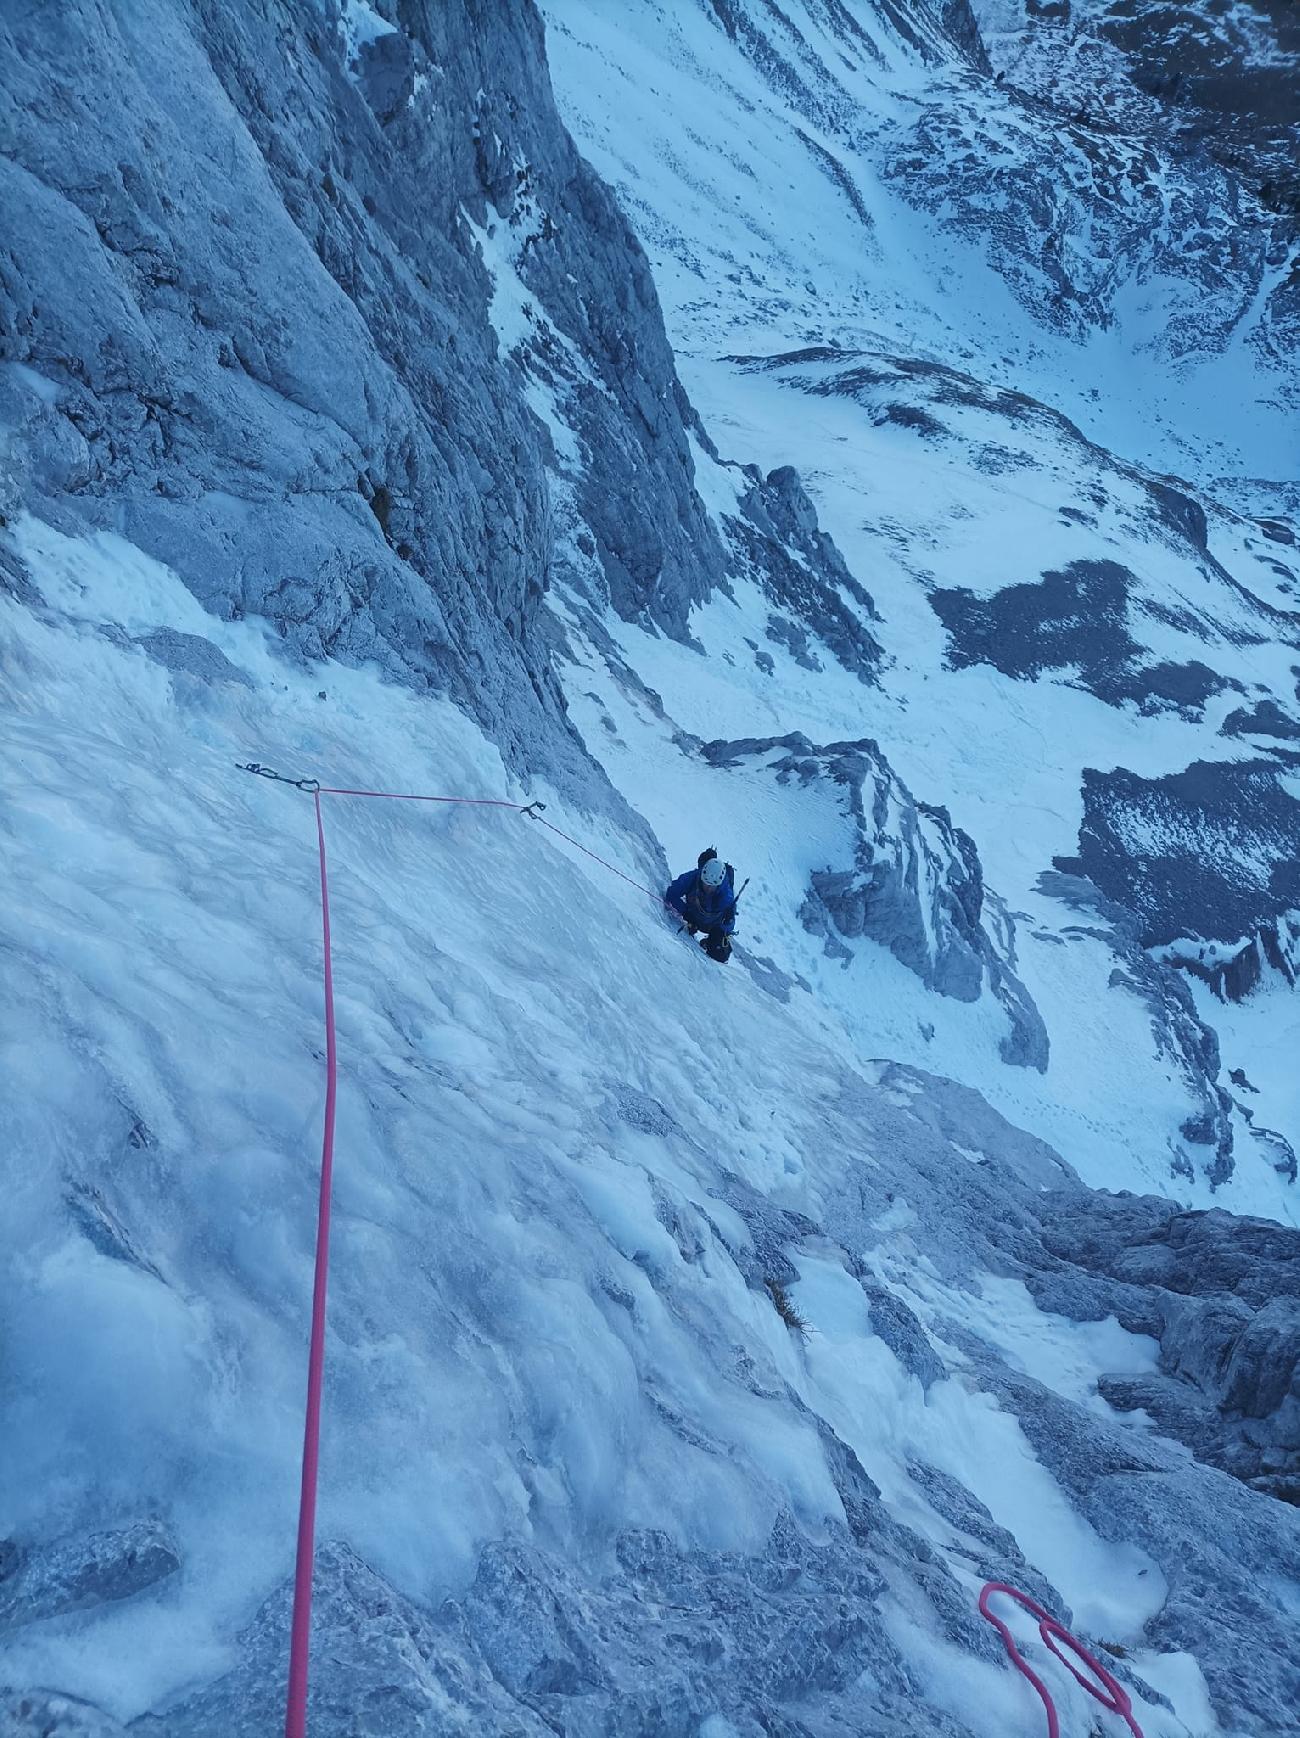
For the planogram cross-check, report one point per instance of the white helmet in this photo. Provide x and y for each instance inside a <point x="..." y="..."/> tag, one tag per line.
<point x="714" y="872"/>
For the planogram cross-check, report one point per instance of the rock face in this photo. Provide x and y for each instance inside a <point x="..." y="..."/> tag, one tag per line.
<point x="248" y="287"/>
<point x="913" y="884"/>
<point x="321" y="322"/>
<point x="77" y="1573"/>
<point x="533" y="1648"/>
<point x="777" y="541"/>
<point x="1231" y="90"/>
<point x="1076" y="622"/>
<point x="1181" y="1037"/>
<point x="253" y="328"/>
<point x="1104" y="74"/>
<point x="1222" y="1295"/>
<point x="1214" y="1291"/>
<point x="1235" y="969"/>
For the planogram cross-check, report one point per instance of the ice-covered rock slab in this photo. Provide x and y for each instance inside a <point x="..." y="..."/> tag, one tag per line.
<point x="913" y="881"/>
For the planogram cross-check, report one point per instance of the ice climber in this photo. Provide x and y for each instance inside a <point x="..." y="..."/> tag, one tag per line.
<point x="705" y="899"/>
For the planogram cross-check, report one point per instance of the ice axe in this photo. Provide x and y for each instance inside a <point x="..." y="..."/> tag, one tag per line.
<point x="736" y="900"/>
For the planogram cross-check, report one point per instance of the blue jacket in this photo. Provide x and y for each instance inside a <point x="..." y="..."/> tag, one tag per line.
<point x="705" y="907"/>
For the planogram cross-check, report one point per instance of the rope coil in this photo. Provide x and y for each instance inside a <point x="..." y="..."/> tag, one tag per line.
<point x="1112" y="1695"/>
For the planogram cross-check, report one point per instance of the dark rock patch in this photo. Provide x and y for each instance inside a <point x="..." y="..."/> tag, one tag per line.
<point x="191" y="655"/>
<point x="1180" y="513"/>
<point x="776" y="540"/>
<point x="1073" y="619"/>
<point x="1213" y="851"/>
<point x="1264" y="718"/>
<point x="1183" y="688"/>
<point x="83" y="1571"/>
<point x="909" y="416"/>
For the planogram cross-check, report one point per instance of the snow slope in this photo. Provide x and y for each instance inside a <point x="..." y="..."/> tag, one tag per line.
<point x="956" y="437"/>
<point x="568" y="1154"/>
<point x="815" y="175"/>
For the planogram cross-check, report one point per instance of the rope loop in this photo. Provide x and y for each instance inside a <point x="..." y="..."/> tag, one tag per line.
<point x="1112" y="1695"/>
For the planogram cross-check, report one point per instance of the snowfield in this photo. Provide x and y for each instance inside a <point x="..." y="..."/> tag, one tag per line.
<point x="545" y="1321"/>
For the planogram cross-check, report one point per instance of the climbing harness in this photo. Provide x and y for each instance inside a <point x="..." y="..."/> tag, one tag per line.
<point x="1112" y="1695"/>
<point x="295" y="1721"/>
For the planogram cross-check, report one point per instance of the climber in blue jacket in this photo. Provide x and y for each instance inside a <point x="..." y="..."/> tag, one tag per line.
<point x="705" y="898"/>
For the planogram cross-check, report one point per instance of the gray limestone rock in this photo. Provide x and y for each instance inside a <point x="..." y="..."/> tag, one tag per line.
<point x="304" y="324"/>
<point x="914" y="884"/>
<point x="1222" y="1296"/>
<point x="39" y="1713"/>
<point x="1178" y="1031"/>
<point x="191" y="655"/>
<point x="84" y="1570"/>
<point x="898" y="1327"/>
<point x="777" y="540"/>
<point x="993" y="1551"/>
<point x="662" y="1641"/>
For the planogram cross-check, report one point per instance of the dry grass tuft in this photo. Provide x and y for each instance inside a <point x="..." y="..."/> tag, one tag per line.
<point x="785" y="1308"/>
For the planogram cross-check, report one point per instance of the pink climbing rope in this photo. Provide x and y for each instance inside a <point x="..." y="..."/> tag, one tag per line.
<point x="295" y="1720"/>
<point x="1112" y="1695"/>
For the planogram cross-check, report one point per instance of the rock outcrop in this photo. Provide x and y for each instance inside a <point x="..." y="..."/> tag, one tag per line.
<point x="1222" y="1296"/>
<point x="82" y="1571"/>
<point x="913" y="881"/>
